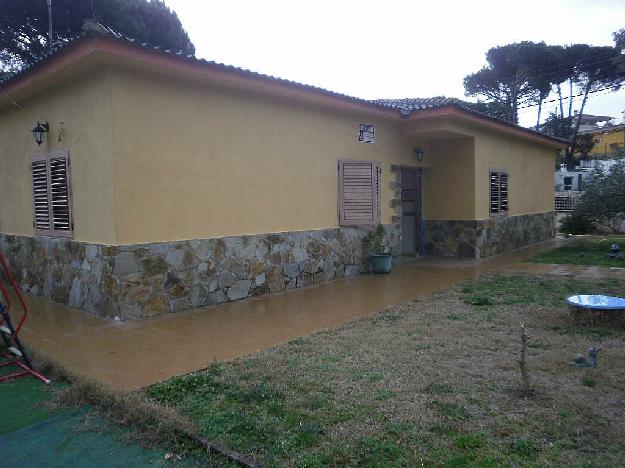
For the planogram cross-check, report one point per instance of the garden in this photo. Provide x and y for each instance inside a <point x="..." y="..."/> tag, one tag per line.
<point x="431" y="382"/>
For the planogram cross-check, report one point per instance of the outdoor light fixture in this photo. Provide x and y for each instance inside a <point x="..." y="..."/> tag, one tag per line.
<point x="39" y="131"/>
<point x="418" y="152"/>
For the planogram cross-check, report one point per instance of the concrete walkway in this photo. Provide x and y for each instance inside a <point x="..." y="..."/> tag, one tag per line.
<point x="135" y="354"/>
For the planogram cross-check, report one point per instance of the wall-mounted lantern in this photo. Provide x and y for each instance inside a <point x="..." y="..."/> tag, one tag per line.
<point x="39" y="132"/>
<point x="418" y="152"/>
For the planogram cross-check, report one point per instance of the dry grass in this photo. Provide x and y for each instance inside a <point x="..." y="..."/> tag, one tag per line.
<point x="435" y="381"/>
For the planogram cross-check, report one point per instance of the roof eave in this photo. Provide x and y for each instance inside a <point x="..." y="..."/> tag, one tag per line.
<point x="482" y="120"/>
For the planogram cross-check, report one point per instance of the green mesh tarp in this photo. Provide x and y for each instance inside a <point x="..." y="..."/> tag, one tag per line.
<point x="32" y="435"/>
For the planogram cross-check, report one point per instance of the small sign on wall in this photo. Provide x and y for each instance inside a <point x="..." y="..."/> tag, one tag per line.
<point x="366" y="133"/>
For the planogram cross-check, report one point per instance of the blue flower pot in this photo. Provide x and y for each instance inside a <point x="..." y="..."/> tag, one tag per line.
<point x="381" y="263"/>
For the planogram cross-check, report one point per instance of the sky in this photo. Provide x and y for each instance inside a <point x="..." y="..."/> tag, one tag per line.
<point x="392" y="49"/>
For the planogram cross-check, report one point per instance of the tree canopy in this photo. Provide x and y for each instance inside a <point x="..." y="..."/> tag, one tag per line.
<point x="24" y="25"/>
<point x="524" y="74"/>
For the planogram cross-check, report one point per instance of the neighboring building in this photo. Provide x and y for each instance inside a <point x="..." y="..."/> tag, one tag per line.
<point x="166" y="182"/>
<point x="567" y="181"/>
<point x="609" y="141"/>
<point x="589" y="122"/>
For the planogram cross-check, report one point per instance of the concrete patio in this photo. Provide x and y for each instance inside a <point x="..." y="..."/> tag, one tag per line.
<point x="131" y="355"/>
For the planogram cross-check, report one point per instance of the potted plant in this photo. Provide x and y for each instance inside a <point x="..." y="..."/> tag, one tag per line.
<point x="378" y="249"/>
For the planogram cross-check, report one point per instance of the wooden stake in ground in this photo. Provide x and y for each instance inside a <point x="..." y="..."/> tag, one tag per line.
<point x="522" y="364"/>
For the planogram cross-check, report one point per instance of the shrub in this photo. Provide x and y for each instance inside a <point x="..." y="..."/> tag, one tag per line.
<point x="576" y="223"/>
<point x="603" y="200"/>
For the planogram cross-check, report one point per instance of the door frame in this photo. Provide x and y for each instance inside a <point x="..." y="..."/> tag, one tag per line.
<point x="418" y="204"/>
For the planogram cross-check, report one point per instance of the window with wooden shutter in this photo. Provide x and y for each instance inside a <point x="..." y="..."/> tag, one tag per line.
<point x="359" y="192"/>
<point x="52" y="202"/>
<point x="498" y="192"/>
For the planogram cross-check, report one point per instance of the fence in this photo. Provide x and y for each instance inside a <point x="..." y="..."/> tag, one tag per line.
<point x="566" y="201"/>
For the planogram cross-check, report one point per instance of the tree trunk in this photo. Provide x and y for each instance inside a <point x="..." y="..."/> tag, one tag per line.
<point x="570" y="98"/>
<point x="578" y="121"/>
<point x="561" y="103"/>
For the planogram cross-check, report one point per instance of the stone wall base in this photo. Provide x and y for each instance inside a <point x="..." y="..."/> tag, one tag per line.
<point x="483" y="238"/>
<point x="143" y="280"/>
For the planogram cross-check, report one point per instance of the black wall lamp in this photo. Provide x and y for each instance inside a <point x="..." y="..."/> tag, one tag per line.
<point x="418" y="152"/>
<point x="39" y="132"/>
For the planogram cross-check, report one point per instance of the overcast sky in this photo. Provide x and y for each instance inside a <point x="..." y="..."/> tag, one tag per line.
<point x="392" y="49"/>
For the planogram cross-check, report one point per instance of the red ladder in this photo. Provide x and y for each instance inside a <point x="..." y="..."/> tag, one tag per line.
<point x="15" y="354"/>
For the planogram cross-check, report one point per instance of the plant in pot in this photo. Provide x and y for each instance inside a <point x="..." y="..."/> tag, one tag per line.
<point x="377" y="247"/>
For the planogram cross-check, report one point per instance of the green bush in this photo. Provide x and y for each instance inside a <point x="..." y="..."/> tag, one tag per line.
<point x="576" y="223"/>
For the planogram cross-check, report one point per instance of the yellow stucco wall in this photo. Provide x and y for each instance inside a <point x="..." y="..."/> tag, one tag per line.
<point x="158" y="158"/>
<point x="605" y="141"/>
<point x="530" y="168"/>
<point x="83" y="105"/>
<point x="449" y="184"/>
<point x="194" y="161"/>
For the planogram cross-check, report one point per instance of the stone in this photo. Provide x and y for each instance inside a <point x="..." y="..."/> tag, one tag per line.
<point x="199" y="295"/>
<point x="156" y="305"/>
<point x="91" y="251"/>
<point x="174" y="258"/>
<point x="213" y="286"/>
<point x="76" y="296"/>
<point x="179" y="303"/>
<point x="219" y="250"/>
<point x="351" y="270"/>
<point x="255" y="268"/>
<point x="235" y="266"/>
<point x="262" y="249"/>
<point x="154" y="266"/>
<point x="275" y="278"/>
<point x="260" y="279"/>
<point x="299" y="255"/>
<point x="216" y="297"/>
<point x="239" y="290"/>
<point x="137" y="294"/>
<point x="125" y="264"/>
<point x="174" y="285"/>
<point x="305" y="279"/>
<point x="291" y="270"/>
<point x="226" y="279"/>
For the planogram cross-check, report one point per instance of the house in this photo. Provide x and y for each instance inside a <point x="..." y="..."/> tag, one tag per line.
<point x="164" y="182"/>
<point x="609" y="141"/>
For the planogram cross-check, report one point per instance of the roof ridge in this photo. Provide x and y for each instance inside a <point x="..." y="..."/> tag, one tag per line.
<point x="404" y="106"/>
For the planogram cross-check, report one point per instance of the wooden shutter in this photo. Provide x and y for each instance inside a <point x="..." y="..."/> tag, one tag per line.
<point x="498" y="192"/>
<point x="503" y="192"/>
<point x="41" y="201"/>
<point x="359" y="192"/>
<point x="52" y="194"/>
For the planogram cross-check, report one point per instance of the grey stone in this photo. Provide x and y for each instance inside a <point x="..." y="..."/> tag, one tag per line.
<point x="179" y="303"/>
<point x="299" y="255"/>
<point x="260" y="279"/>
<point x="76" y="294"/>
<point x="291" y="270"/>
<point x="125" y="263"/>
<point x="216" y="297"/>
<point x="226" y="279"/>
<point x="91" y="251"/>
<point x="235" y="266"/>
<point x="175" y="258"/>
<point x="199" y="295"/>
<point x="239" y="290"/>
<point x="351" y="270"/>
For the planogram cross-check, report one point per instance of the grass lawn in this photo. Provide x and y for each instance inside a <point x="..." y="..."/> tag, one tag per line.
<point x="432" y="382"/>
<point x="588" y="250"/>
